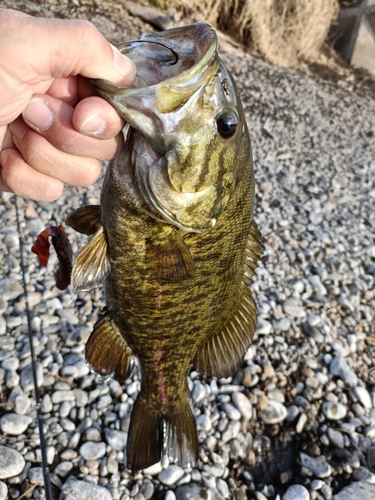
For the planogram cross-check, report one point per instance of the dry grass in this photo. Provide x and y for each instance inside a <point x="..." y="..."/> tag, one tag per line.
<point x="286" y="32"/>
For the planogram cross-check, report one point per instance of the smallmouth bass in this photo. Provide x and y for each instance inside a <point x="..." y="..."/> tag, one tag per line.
<point x="173" y="239"/>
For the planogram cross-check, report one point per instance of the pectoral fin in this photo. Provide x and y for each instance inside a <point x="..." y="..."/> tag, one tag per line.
<point x="85" y="220"/>
<point x="107" y="351"/>
<point x="91" y="265"/>
<point x="170" y="258"/>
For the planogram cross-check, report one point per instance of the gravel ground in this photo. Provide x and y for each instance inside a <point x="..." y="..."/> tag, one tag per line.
<point x="297" y="422"/>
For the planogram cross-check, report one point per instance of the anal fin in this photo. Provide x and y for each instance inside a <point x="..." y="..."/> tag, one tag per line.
<point x="107" y="351"/>
<point x="91" y="265"/>
<point x="169" y="258"/>
<point x="85" y="220"/>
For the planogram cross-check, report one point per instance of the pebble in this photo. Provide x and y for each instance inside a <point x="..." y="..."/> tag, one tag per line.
<point x="292" y="307"/>
<point x="243" y="404"/>
<point x="336" y="438"/>
<point x="363" y="396"/>
<point x="14" y="424"/>
<point x="27" y="379"/>
<point x="318" y="465"/>
<point x="22" y="404"/>
<point x="12" y="462"/>
<point x="3" y="491"/>
<point x="273" y="413"/>
<point x="357" y="490"/>
<point x="92" y="450"/>
<point x="36" y="476"/>
<point x="334" y="411"/>
<point x="192" y="491"/>
<point x="116" y="439"/>
<point x="75" y="489"/>
<point x="171" y="475"/>
<point x="363" y="474"/>
<point x="296" y="492"/>
<point x="340" y="368"/>
<point x="10" y="289"/>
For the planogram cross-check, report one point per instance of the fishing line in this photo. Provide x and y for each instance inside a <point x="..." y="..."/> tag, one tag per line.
<point x="45" y="468"/>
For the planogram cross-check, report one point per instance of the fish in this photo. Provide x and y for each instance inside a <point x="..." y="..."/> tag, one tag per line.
<point x="174" y="239"/>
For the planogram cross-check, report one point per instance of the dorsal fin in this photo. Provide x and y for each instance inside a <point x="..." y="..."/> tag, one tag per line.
<point x="107" y="351"/>
<point x="222" y="354"/>
<point x="91" y="265"/>
<point x="85" y="220"/>
<point x="170" y="258"/>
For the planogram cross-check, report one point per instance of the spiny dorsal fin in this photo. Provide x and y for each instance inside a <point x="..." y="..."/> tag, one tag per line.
<point x="222" y="354"/>
<point x="85" y="220"/>
<point x="107" y="351"/>
<point x="91" y="265"/>
<point x="170" y="258"/>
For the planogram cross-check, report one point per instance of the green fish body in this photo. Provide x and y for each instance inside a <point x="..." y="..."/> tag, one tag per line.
<point x="173" y="238"/>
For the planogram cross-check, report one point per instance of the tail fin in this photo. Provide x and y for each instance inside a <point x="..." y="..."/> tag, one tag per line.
<point x="152" y="434"/>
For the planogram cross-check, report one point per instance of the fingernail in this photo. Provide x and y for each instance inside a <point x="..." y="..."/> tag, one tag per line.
<point x="93" y="125"/>
<point x="38" y="115"/>
<point x="124" y="65"/>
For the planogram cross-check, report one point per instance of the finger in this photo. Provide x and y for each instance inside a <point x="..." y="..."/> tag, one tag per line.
<point x="62" y="48"/>
<point x="53" y="118"/>
<point x="18" y="177"/>
<point x="95" y="116"/>
<point x="40" y="154"/>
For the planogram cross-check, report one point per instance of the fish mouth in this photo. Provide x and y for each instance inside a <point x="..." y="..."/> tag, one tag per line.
<point x="173" y="68"/>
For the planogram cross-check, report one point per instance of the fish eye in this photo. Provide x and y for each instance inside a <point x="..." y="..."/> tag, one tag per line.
<point x="227" y="122"/>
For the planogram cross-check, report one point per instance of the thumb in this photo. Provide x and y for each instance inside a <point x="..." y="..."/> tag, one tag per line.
<point x="55" y="48"/>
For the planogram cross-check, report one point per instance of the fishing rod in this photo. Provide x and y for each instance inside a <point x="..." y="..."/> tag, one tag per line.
<point x="45" y="468"/>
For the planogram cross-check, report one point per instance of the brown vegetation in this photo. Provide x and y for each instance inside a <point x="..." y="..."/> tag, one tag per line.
<point x="286" y="32"/>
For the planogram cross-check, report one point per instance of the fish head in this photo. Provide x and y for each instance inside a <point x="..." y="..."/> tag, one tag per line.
<point x="187" y="123"/>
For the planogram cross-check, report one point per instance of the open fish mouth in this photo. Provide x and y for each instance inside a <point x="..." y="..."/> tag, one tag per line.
<point x="173" y="110"/>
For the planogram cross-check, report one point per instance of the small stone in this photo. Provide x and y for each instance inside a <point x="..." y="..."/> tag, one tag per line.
<point x="75" y="489"/>
<point x="36" y="476"/>
<point x="14" y="424"/>
<point x="296" y="492"/>
<point x="232" y="411"/>
<point x="60" y="396"/>
<point x="340" y="368"/>
<point x="363" y="474"/>
<point x="193" y="491"/>
<point x="334" y="411"/>
<point x="63" y="468"/>
<point x="12" y="462"/>
<point x="153" y="470"/>
<point x="301" y="423"/>
<point x="363" y="396"/>
<point x="147" y="489"/>
<point x="335" y="437"/>
<point x="293" y="307"/>
<point x="170" y="495"/>
<point x="3" y="491"/>
<point x="273" y="413"/>
<point x="116" y="439"/>
<point x="22" y="404"/>
<point x="10" y="289"/>
<point x="171" y="475"/>
<point x="92" y="450"/>
<point x="318" y="465"/>
<point x="27" y="379"/>
<point x="243" y="405"/>
<point x="11" y="363"/>
<point x="371" y="458"/>
<point x="356" y="490"/>
<point x="199" y="392"/>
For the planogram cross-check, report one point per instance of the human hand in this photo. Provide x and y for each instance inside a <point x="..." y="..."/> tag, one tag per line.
<point x="52" y="128"/>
